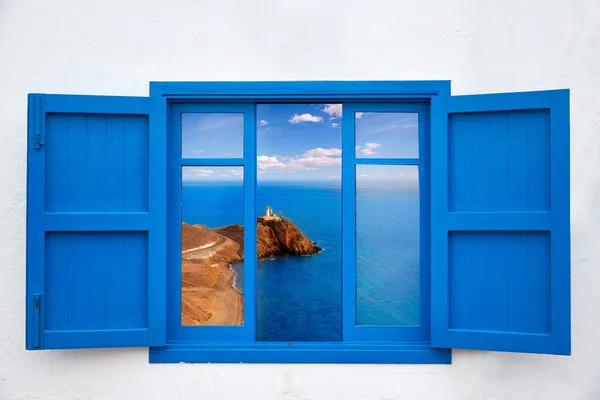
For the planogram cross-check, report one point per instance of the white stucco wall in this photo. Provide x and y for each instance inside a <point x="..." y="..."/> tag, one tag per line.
<point x="118" y="46"/>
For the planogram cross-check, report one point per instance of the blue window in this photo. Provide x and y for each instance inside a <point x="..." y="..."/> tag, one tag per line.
<point x="113" y="249"/>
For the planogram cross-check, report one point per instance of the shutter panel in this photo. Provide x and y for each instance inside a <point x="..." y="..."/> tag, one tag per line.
<point x="96" y="222"/>
<point x="500" y="222"/>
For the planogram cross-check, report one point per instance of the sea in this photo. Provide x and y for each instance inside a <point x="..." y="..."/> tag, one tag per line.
<point x="299" y="297"/>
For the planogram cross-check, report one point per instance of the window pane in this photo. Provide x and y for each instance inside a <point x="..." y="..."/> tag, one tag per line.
<point x="212" y="135"/>
<point x="386" y="135"/>
<point x="211" y="249"/>
<point x="299" y="223"/>
<point x="387" y="245"/>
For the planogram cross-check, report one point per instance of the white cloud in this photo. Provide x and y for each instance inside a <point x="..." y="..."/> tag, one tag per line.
<point x="367" y="150"/>
<point x="197" y="151"/>
<point x="323" y="152"/>
<point x="198" y="172"/>
<point x="359" y="115"/>
<point x="266" y="162"/>
<point x="312" y="159"/>
<point x="262" y="123"/>
<point x="334" y="125"/>
<point x="334" y="110"/>
<point x="304" y="163"/>
<point x="296" y="119"/>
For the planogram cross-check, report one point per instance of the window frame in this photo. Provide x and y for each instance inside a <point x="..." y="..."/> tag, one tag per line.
<point x="377" y="350"/>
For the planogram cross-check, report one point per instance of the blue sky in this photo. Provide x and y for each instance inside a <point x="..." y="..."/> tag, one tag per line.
<point x="300" y="142"/>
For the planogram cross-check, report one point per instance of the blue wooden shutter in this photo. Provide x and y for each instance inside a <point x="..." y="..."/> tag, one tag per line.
<point x="96" y="222"/>
<point x="500" y="222"/>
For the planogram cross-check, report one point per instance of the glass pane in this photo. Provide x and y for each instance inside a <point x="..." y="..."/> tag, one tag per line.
<point x="211" y="249"/>
<point x="299" y="223"/>
<point x="212" y="135"/>
<point x="386" y="135"/>
<point x="387" y="245"/>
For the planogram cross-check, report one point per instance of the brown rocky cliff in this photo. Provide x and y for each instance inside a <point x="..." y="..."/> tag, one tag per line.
<point x="275" y="237"/>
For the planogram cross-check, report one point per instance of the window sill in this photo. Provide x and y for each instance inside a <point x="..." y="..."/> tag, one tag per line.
<point x="350" y="353"/>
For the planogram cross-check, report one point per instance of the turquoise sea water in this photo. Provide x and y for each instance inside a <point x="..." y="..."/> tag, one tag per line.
<point x="299" y="297"/>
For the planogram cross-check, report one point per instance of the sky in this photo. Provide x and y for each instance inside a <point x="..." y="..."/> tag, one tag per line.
<point x="300" y="142"/>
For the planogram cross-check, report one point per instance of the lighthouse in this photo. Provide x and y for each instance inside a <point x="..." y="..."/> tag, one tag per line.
<point x="270" y="215"/>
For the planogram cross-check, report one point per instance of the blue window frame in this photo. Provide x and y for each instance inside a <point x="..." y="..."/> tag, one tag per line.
<point x="177" y="332"/>
<point x="494" y="186"/>
<point x="367" y="333"/>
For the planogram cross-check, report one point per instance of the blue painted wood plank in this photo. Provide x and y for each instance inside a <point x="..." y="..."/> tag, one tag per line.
<point x="517" y="284"/>
<point x="440" y="317"/>
<point x="76" y="139"/>
<point x="387" y="161"/>
<point x="77" y="339"/>
<point x="56" y="298"/>
<point x="250" y="235"/>
<point x="459" y="307"/>
<point x="133" y="312"/>
<point x="517" y="162"/>
<point x="424" y="172"/>
<point x="35" y="238"/>
<point x="95" y="287"/>
<point x="538" y="160"/>
<point x="538" y="283"/>
<point x="116" y="290"/>
<point x="500" y="102"/>
<point x="174" y="171"/>
<point x="225" y="162"/>
<point x="480" y="162"/>
<point x="498" y="161"/>
<point x="96" y="160"/>
<point x="299" y="89"/>
<point x="499" y="221"/>
<point x="501" y="341"/>
<point x="57" y="164"/>
<point x="115" y="164"/>
<point x="78" y="246"/>
<point x="135" y="177"/>
<point x="348" y="225"/>
<point x="260" y="352"/>
<point x="114" y="105"/>
<point x="459" y="157"/>
<point x="560" y="258"/>
<point x="157" y="237"/>
<point x="82" y="221"/>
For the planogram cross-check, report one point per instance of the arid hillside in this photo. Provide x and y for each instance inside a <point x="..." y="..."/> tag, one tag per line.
<point x="207" y="293"/>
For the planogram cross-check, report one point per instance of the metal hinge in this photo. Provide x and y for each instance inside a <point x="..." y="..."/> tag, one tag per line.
<point x="37" y="111"/>
<point x="38" y="141"/>
<point x="37" y="320"/>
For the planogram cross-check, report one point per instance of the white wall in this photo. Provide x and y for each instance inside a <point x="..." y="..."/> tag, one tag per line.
<point x="118" y="46"/>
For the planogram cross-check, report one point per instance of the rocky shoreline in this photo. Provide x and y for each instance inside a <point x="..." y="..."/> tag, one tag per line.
<point x="208" y="296"/>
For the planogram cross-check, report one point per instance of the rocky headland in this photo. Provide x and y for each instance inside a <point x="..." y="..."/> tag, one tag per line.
<point x="208" y="296"/>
